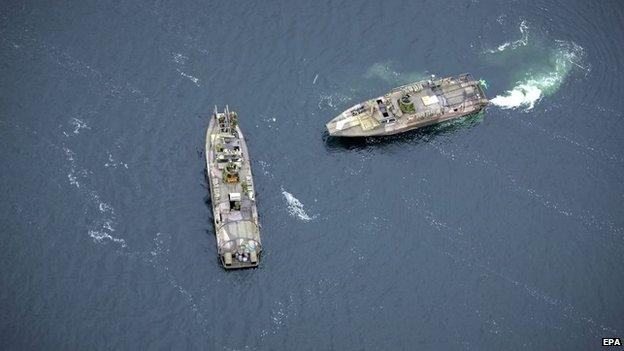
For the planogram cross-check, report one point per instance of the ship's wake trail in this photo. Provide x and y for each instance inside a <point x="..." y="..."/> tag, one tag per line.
<point x="546" y="81"/>
<point x="296" y="208"/>
<point x="543" y="66"/>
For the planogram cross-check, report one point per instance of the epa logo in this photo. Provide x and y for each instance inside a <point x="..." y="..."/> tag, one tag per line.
<point x="611" y="342"/>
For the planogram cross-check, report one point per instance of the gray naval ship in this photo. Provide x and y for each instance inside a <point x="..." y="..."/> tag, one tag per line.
<point x="232" y="192"/>
<point x="410" y="107"/>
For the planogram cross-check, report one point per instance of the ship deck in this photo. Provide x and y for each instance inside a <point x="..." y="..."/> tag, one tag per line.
<point x="430" y="102"/>
<point x="233" y="203"/>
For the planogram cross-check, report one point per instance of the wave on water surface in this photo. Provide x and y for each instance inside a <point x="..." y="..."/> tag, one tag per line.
<point x="529" y="91"/>
<point x="523" y="41"/>
<point x="103" y="215"/>
<point x="295" y="207"/>
<point x="546" y="67"/>
<point x="181" y="61"/>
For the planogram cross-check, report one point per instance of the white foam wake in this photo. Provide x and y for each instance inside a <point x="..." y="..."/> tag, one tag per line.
<point x="332" y="100"/>
<point x="295" y="207"/>
<point x="114" y="163"/>
<point x="181" y="61"/>
<point x="527" y="92"/>
<point x="523" y="41"/>
<point x="523" y="94"/>
<point x="78" y="125"/>
<point x="102" y="227"/>
<point x="190" y="77"/>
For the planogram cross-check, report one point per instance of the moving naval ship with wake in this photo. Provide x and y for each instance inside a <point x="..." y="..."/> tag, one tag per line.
<point x="411" y="106"/>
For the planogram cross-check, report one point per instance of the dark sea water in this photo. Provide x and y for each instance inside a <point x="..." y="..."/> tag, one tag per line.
<point x="503" y="231"/>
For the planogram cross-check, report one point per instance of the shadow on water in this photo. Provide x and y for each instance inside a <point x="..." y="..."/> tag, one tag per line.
<point x="417" y="136"/>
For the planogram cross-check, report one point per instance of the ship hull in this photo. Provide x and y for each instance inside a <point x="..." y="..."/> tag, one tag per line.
<point x="411" y="107"/>
<point x="403" y="129"/>
<point x="235" y="216"/>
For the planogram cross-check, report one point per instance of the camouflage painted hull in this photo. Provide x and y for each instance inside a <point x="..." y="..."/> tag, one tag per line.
<point x="410" y="107"/>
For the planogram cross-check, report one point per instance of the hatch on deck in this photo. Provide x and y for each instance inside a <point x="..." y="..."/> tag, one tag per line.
<point x="430" y="100"/>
